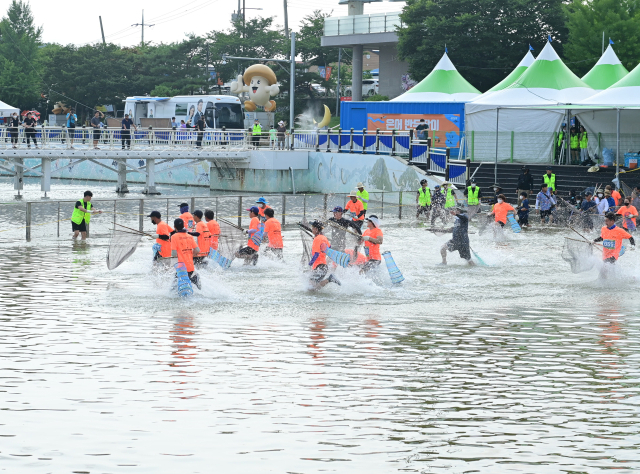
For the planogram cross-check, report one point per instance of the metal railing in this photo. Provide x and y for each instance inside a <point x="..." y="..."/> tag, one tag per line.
<point x="46" y="217"/>
<point x="362" y="24"/>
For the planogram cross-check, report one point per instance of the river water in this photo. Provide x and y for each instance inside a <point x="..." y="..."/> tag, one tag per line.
<point x="519" y="366"/>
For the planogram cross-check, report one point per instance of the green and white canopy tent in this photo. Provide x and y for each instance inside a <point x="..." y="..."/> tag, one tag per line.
<point x="515" y="74"/>
<point x="623" y="102"/>
<point x="548" y="81"/>
<point x="443" y="84"/>
<point x="607" y="71"/>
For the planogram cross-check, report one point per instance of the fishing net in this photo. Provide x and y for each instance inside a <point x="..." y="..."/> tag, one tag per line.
<point x="122" y="245"/>
<point x="231" y="239"/>
<point x="579" y="254"/>
<point x="307" y="242"/>
<point x="626" y="189"/>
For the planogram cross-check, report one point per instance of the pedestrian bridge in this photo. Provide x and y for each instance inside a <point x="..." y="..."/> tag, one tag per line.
<point x="226" y="151"/>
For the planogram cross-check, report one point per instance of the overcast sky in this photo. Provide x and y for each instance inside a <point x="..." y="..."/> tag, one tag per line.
<point x="77" y="22"/>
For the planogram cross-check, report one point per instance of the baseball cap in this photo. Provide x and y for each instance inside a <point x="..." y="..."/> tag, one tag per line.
<point x="154" y="214"/>
<point x="337" y="209"/>
<point x="183" y="205"/>
<point x="253" y="209"/>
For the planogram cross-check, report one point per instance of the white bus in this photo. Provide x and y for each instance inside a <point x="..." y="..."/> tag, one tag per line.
<point x="218" y="110"/>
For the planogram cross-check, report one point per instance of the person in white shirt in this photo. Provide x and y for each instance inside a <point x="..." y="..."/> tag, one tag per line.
<point x="602" y="203"/>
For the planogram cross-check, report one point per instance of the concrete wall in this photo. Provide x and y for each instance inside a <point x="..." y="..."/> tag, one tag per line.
<point x="391" y="71"/>
<point x="313" y="172"/>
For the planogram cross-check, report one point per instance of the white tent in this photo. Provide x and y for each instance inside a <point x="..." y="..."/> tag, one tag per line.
<point x="6" y="110"/>
<point x="515" y="74"/>
<point x="443" y="84"/>
<point x="607" y="71"/>
<point x="525" y="135"/>
<point x="602" y="124"/>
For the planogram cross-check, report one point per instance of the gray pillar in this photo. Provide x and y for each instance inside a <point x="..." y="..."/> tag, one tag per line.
<point x="45" y="181"/>
<point x="567" y="138"/>
<point x="18" y="177"/>
<point x="356" y="73"/>
<point x="150" y="188"/>
<point x="122" y="187"/>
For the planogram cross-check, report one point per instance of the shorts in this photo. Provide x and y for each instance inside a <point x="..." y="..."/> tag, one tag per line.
<point x="318" y="273"/>
<point x="199" y="261"/>
<point x="523" y="219"/>
<point x="423" y="210"/>
<point x="246" y="251"/>
<point x="463" y="249"/>
<point x="370" y="265"/>
<point x="96" y="134"/>
<point x="82" y="227"/>
<point x="545" y="214"/>
<point x="610" y="260"/>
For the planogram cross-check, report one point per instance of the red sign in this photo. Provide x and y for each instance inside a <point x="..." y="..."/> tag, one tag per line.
<point x="345" y="99"/>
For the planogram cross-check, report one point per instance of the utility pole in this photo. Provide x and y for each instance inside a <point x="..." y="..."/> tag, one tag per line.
<point x="104" y="43"/>
<point x="244" y="13"/>
<point x="286" y="20"/>
<point x="208" y="73"/>
<point x="142" y="25"/>
<point x="338" y="94"/>
<point x="292" y="84"/>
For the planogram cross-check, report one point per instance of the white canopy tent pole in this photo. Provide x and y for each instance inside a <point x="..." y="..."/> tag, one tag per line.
<point x="618" y="148"/>
<point x="495" y="168"/>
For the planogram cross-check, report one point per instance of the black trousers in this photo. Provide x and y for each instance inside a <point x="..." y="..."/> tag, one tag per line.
<point x="31" y="135"/>
<point x="126" y="138"/>
<point x="14" y="136"/>
<point x="199" y="139"/>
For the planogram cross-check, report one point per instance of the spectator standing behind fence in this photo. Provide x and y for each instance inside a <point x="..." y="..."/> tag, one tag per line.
<point x="30" y="130"/>
<point x="127" y="123"/>
<point x="575" y="146"/>
<point x="256" y="133"/>
<point x="422" y="130"/>
<point x="174" y="124"/>
<point x="95" y="123"/>
<point x="14" y="123"/>
<point x="272" y="138"/>
<point x="583" y="140"/>
<point x="545" y="203"/>
<point x="72" y="118"/>
<point x="282" y="130"/>
<point x="200" y="126"/>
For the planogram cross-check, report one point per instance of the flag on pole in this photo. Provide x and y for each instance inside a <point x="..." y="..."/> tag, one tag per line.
<point x="549" y="38"/>
<point x="611" y="41"/>
<point x="445" y="49"/>
<point x="531" y="48"/>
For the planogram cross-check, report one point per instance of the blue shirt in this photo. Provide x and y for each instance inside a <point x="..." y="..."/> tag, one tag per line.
<point x="586" y="205"/>
<point x="544" y="201"/>
<point x="71" y="119"/>
<point x="525" y="205"/>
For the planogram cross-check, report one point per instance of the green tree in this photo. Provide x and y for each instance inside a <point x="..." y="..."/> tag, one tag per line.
<point x="486" y="39"/>
<point x="19" y="68"/>
<point x="620" y="21"/>
<point x="257" y="38"/>
<point x="308" y="41"/>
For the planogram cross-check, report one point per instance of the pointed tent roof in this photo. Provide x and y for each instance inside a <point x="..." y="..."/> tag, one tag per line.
<point x="607" y="71"/>
<point x="548" y="81"/>
<point x="515" y="74"/>
<point x="624" y="92"/>
<point x="8" y="109"/>
<point x="443" y="84"/>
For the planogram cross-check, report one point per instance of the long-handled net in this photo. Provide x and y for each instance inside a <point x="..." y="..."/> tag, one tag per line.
<point x="122" y="245"/>
<point x="307" y="243"/>
<point x="232" y="238"/>
<point x="579" y="254"/>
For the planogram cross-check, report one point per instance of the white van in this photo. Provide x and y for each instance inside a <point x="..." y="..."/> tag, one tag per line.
<point x="218" y="110"/>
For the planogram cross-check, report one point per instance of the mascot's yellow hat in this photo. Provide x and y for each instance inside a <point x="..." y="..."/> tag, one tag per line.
<point x="259" y="70"/>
